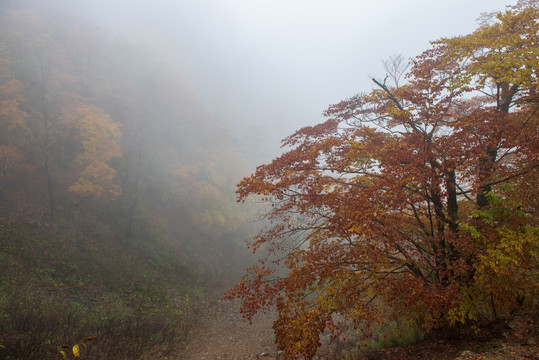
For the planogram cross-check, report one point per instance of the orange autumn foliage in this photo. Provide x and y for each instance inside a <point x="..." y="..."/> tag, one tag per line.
<point x="410" y="201"/>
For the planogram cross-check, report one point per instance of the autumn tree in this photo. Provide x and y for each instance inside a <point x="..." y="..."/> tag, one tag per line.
<point x="100" y="138"/>
<point x="415" y="200"/>
<point x="12" y="118"/>
<point x="46" y="116"/>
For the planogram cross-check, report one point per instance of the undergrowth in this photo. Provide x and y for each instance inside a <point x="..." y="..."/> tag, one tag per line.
<point x="53" y="292"/>
<point x="389" y="334"/>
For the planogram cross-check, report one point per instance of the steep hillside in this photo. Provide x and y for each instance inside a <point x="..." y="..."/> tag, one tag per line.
<point x="117" y="211"/>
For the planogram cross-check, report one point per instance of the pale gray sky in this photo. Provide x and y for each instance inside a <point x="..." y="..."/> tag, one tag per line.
<point x="269" y="67"/>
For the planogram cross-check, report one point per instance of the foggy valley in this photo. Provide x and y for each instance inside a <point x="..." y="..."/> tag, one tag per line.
<point x="268" y="179"/>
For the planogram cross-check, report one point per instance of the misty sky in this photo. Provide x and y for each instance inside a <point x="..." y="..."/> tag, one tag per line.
<point x="271" y="67"/>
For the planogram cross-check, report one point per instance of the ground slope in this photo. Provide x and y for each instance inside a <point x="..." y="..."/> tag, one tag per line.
<point x="223" y="335"/>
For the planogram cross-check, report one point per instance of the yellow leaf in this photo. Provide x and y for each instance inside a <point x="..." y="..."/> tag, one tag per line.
<point x="63" y="354"/>
<point x="76" y="350"/>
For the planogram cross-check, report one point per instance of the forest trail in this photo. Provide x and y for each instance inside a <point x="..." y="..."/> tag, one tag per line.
<point x="224" y="335"/>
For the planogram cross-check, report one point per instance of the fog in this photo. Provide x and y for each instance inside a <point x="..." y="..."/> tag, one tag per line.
<point x="268" y="68"/>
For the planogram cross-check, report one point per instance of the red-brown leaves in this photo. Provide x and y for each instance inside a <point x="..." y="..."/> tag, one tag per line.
<point x="379" y="209"/>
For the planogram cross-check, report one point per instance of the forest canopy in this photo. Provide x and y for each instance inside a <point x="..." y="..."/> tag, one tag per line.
<point x="416" y="200"/>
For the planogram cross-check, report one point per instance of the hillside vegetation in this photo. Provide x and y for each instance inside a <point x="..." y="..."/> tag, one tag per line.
<point x="117" y="215"/>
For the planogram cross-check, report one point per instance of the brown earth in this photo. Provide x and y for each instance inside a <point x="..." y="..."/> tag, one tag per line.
<point x="223" y="335"/>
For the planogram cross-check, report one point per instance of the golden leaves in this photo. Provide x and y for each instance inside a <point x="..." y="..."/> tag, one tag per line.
<point x="76" y="349"/>
<point x="100" y="141"/>
<point x="504" y="50"/>
<point x="97" y="180"/>
<point x="100" y="135"/>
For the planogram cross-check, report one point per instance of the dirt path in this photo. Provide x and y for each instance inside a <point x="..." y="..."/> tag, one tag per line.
<point x="223" y="335"/>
